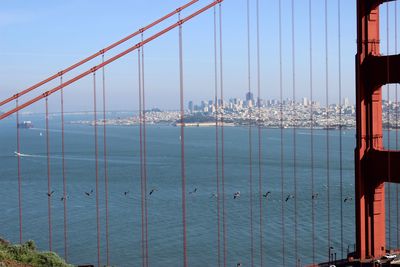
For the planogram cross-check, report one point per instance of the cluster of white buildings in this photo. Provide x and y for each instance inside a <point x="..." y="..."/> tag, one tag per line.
<point x="266" y="113"/>
<point x="271" y="113"/>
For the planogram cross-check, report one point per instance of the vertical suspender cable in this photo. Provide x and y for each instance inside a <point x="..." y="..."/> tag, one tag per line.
<point x="250" y="137"/>
<point x="183" y="173"/>
<point x="64" y="175"/>
<point x="19" y="175"/>
<point x="294" y="136"/>
<point x="143" y="193"/>
<point x="281" y="132"/>
<point x="217" y="138"/>
<point x="259" y="132"/>
<point x="105" y="160"/>
<point x="145" y="160"/>
<point x="312" y="133"/>
<point x="340" y="129"/>
<point x="49" y="193"/>
<point x="397" y="128"/>
<point x="388" y="121"/>
<point x="96" y="154"/>
<point x="328" y="180"/>
<point x="224" y="225"/>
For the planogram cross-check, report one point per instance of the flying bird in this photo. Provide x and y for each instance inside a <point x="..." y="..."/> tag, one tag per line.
<point x="213" y="195"/>
<point x="236" y="195"/>
<point x="315" y="196"/>
<point x="152" y="191"/>
<point x="49" y="194"/>
<point x="267" y="194"/>
<point x="89" y="193"/>
<point x="289" y="197"/>
<point x="194" y="191"/>
<point x="126" y="193"/>
<point x="347" y="199"/>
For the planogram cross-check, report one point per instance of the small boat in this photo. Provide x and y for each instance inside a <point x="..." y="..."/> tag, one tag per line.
<point x="25" y="125"/>
<point x="20" y="154"/>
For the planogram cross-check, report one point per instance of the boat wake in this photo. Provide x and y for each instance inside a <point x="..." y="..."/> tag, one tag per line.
<point x="22" y="155"/>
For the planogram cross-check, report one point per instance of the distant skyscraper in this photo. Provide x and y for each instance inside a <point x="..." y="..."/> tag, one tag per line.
<point x="249" y="96"/>
<point x="346" y="102"/>
<point x="190" y="106"/>
<point x="240" y="103"/>
<point x="305" y="101"/>
<point x="261" y="102"/>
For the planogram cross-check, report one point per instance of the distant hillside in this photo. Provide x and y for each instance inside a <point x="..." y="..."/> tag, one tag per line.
<point x="27" y="255"/>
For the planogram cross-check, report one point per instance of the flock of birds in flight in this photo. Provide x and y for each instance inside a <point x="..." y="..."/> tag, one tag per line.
<point x="236" y="195"/>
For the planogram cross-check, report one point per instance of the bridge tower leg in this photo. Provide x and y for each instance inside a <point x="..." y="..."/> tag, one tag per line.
<point x="373" y="165"/>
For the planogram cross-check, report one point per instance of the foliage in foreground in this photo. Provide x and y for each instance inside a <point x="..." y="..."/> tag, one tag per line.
<point x="29" y="255"/>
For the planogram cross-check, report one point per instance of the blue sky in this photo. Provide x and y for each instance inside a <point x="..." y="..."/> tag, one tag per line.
<point x="40" y="38"/>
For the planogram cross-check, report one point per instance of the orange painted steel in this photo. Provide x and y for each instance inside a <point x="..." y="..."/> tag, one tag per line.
<point x="101" y="52"/>
<point x="371" y="160"/>
<point x="112" y="59"/>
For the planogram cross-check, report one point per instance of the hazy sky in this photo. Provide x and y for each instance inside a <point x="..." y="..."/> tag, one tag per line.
<point x="40" y="38"/>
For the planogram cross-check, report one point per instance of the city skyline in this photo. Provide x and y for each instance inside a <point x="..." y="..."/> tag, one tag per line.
<point x="191" y="105"/>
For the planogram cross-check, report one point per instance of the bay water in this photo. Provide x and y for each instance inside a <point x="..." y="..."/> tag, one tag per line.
<point x="165" y="205"/>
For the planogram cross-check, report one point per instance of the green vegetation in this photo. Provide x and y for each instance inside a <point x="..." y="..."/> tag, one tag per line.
<point x="27" y="255"/>
<point x="198" y="117"/>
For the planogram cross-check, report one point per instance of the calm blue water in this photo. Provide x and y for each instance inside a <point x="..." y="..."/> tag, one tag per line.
<point x="164" y="206"/>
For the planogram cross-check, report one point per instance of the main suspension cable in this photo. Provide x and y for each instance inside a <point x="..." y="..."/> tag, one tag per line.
<point x="110" y="60"/>
<point x="49" y="192"/>
<point x="102" y="51"/>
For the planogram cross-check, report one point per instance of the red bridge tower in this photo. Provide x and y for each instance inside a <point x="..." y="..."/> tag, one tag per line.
<point x="374" y="165"/>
